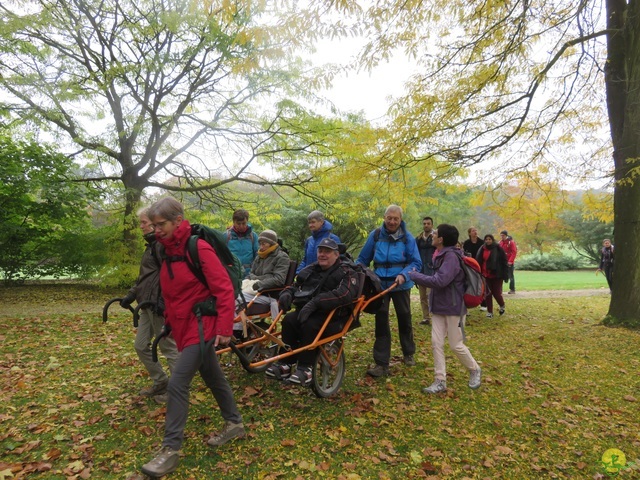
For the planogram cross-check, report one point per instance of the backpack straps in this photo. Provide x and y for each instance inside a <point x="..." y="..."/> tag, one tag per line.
<point x="192" y="258"/>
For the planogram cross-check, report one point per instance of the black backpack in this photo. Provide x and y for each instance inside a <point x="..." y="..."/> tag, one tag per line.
<point x="372" y="285"/>
<point x="218" y="241"/>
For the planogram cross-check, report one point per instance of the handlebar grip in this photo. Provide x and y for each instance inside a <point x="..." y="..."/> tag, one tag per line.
<point x="136" y="311"/>
<point x="105" y="309"/>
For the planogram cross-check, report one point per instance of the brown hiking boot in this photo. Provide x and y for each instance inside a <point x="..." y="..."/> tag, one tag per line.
<point x="155" y="389"/>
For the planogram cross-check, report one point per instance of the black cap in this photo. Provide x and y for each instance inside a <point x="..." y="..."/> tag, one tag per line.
<point x="504" y="232"/>
<point x="328" y="243"/>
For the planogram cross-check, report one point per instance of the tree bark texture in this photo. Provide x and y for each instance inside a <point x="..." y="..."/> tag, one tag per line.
<point x="622" y="78"/>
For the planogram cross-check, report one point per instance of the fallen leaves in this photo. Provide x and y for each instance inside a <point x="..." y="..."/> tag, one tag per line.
<point x="546" y="407"/>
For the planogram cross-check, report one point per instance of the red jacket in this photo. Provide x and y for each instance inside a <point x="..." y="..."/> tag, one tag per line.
<point x="510" y="248"/>
<point x="181" y="290"/>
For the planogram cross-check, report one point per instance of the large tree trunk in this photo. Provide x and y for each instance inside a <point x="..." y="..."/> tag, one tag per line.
<point x="133" y="194"/>
<point x="622" y="78"/>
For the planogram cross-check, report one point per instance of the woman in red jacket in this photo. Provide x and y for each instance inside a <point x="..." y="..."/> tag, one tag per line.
<point x="182" y="291"/>
<point x="493" y="264"/>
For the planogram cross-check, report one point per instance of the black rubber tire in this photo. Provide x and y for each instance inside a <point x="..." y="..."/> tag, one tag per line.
<point x="326" y="380"/>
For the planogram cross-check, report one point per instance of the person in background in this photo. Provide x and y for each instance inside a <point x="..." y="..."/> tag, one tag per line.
<point x="493" y="265"/>
<point x="510" y="248"/>
<point x="426" y="249"/>
<point x="147" y="289"/>
<point x="319" y="288"/>
<point x="242" y="240"/>
<point x="320" y="229"/>
<point x="448" y="308"/>
<point x="184" y="295"/>
<point x="473" y="243"/>
<point x="606" y="262"/>
<point x="394" y="254"/>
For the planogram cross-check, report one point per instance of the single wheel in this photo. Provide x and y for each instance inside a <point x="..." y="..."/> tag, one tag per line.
<point x="259" y="351"/>
<point x="328" y="369"/>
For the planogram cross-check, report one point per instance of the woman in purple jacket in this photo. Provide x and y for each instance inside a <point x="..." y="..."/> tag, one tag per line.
<point x="447" y="307"/>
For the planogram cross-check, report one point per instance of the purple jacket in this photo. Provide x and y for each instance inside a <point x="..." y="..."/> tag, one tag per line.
<point x="447" y="283"/>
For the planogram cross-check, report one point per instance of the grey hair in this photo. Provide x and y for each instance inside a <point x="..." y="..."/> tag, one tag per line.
<point x="168" y="208"/>
<point x="393" y="208"/>
<point x="316" y="215"/>
<point x="143" y="212"/>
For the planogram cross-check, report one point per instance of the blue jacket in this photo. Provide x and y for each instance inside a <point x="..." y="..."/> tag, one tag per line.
<point x="391" y="256"/>
<point x="311" y="244"/>
<point x="244" y="246"/>
<point x="447" y="283"/>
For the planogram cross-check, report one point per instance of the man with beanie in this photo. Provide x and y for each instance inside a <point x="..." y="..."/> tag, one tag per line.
<point x="510" y="248"/>
<point x="242" y="240"/>
<point x="320" y="229"/>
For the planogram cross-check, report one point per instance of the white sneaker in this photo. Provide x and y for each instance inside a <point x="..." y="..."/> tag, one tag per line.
<point x="475" y="378"/>
<point x="438" y="386"/>
<point x="483" y="309"/>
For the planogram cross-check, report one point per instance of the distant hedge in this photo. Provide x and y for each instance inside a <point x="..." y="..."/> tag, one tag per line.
<point x="552" y="263"/>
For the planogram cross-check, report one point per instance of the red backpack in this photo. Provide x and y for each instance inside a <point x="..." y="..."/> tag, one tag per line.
<point x="475" y="285"/>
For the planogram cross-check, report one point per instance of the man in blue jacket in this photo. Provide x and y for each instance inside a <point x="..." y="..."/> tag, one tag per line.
<point x="394" y="253"/>
<point x="447" y="307"/>
<point x="242" y="240"/>
<point x="320" y="229"/>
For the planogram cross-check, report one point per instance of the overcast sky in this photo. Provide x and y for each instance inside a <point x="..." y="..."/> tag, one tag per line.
<point x="364" y="91"/>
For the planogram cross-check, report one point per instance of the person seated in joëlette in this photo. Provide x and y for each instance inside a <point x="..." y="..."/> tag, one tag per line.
<point x="321" y="287"/>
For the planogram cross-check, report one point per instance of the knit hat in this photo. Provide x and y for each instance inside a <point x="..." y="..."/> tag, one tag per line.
<point x="268" y="236"/>
<point x="504" y="232"/>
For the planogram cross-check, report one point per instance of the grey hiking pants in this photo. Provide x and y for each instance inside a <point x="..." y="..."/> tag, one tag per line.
<point x="188" y="364"/>
<point x="149" y="327"/>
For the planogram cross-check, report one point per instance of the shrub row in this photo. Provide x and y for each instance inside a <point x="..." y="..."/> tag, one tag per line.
<point x="547" y="263"/>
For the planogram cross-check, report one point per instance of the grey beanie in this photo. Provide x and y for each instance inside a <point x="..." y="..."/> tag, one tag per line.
<point x="268" y="236"/>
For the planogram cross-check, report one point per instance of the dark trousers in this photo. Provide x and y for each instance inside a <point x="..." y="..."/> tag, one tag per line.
<point x="495" y="291"/>
<point x="189" y="362"/>
<point x="512" y="280"/>
<point x="608" y="273"/>
<point x="297" y="334"/>
<point x="382" y="345"/>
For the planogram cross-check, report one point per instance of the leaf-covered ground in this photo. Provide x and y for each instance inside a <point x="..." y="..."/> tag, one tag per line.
<point x="559" y="390"/>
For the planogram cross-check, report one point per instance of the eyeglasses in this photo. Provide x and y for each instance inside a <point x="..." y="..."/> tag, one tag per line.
<point x="160" y="224"/>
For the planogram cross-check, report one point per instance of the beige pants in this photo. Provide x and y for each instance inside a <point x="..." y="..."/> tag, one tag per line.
<point x="424" y="301"/>
<point x="443" y="326"/>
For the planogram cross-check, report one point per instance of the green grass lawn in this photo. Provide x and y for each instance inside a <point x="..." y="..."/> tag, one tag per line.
<point x="559" y="389"/>
<point x="570" y="280"/>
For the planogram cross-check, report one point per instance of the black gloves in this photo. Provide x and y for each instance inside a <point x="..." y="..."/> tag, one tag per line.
<point x="305" y="312"/>
<point x="284" y="301"/>
<point x="256" y="286"/>
<point x="160" y="307"/>
<point x="127" y="300"/>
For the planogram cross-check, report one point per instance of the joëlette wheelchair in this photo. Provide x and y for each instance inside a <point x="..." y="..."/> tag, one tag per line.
<point x="257" y="322"/>
<point x="328" y="369"/>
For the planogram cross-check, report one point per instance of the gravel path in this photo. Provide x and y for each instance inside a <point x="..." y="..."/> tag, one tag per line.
<point x="591" y="292"/>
